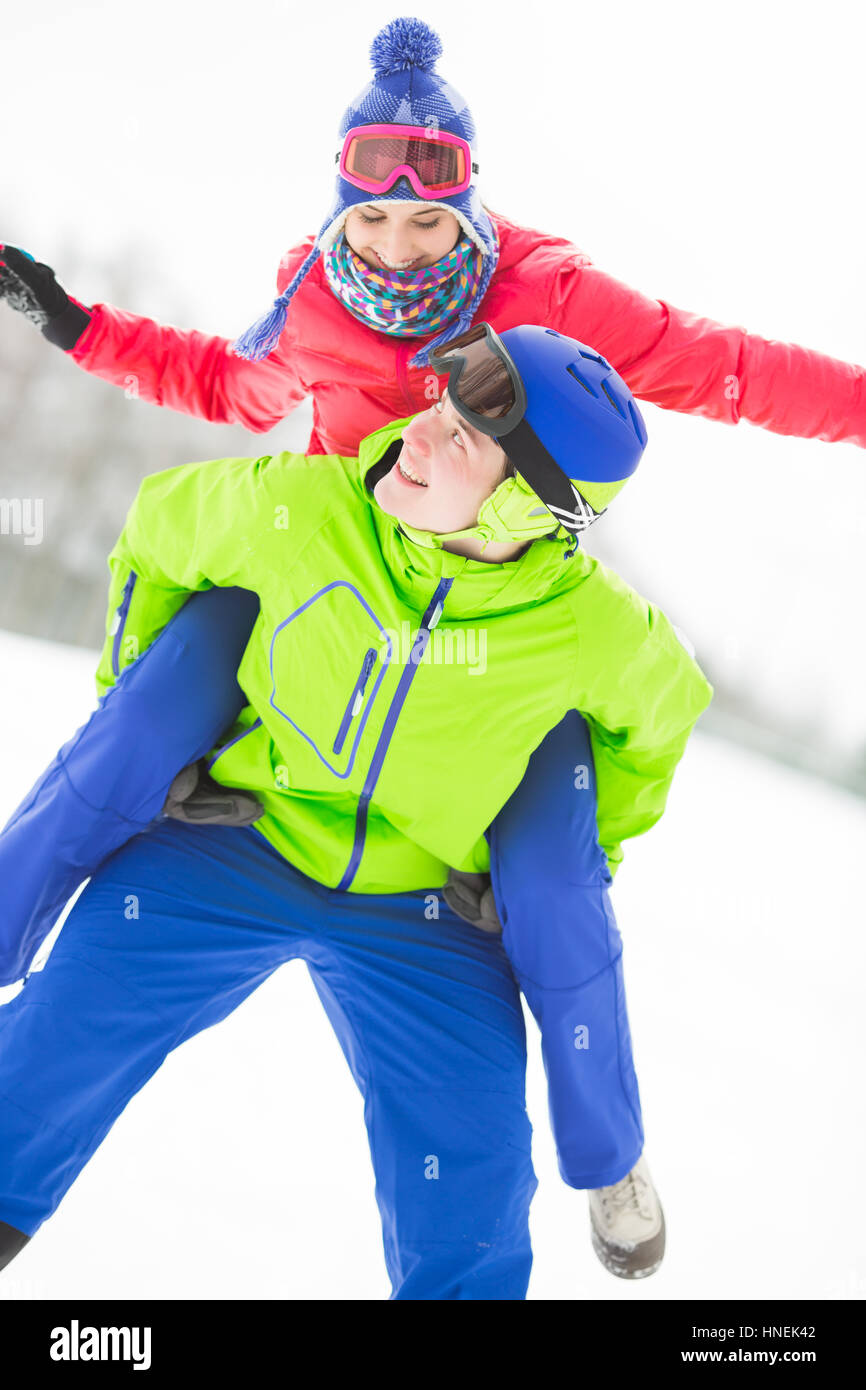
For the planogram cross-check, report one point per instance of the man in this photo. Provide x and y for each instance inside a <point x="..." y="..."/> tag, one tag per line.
<point x="378" y="765"/>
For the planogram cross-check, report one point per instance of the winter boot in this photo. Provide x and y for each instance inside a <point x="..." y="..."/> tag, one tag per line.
<point x="11" y="1242"/>
<point x="628" y="1225"/>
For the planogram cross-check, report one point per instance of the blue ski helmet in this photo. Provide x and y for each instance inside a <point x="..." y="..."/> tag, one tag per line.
<point x="562" y="414"/>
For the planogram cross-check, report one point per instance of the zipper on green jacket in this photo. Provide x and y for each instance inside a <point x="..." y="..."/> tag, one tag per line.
<point x="356" y="700"/>
<point x="120" y="621"/>
<point x="419" y="645"/>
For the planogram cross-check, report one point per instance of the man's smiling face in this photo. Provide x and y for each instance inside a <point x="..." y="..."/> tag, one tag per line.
<point x="457" y="467"/>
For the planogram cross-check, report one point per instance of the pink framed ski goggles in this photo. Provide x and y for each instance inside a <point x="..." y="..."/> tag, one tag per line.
<point x="374" y="157"/>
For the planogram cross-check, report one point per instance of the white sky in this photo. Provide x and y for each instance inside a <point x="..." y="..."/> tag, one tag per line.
<point x="708" y="155"/>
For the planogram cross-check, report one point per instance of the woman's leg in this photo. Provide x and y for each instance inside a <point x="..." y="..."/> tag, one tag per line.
<point x="550" y="881"/>
<point x="429" y="1018"/>
<point x="110" y="780"/>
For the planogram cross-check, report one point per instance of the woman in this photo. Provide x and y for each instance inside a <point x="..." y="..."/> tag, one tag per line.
<point x="401" y="263"/>
<point x="373" y="781"/>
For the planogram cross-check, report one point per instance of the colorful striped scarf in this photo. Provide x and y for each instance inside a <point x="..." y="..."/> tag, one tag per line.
<point x="405" y="303"/>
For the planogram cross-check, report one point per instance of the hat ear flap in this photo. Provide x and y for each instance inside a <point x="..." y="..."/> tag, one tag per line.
<point x="262" y="337"/>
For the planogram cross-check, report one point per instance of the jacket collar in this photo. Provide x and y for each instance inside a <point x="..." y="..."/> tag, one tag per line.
<point x="480" y="587"/>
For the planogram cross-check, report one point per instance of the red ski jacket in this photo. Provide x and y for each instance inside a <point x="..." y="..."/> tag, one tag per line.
<point x="360" y="379"/>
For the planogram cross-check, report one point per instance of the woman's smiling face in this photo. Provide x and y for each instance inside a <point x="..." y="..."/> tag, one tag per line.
<point x="401" y="236"/>
<point x="458" y="468"/>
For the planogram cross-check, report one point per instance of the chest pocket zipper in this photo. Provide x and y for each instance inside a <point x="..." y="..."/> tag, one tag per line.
<point x="118" y="624"/>
<point x="339" y="616"/>
<point x="356" y="700"/>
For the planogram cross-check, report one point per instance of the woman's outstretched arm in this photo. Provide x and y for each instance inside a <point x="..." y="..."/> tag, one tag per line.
<point x="681" y="361"/>
<point x="183" y="369"/>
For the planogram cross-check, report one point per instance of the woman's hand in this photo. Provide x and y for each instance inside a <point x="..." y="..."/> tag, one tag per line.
<point x="31" y="289"/>
<point x="471" y="897"/>
<point x="196" y="798"/>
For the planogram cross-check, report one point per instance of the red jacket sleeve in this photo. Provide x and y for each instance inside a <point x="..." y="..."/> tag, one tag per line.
<point x="189" y="371"/>
<point x="679" y="361"/>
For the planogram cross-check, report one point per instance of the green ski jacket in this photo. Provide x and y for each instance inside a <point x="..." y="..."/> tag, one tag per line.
<point x="397" y="691"/>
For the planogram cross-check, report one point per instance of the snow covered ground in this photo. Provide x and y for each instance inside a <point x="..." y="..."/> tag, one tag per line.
<point x="242" y="1169"/>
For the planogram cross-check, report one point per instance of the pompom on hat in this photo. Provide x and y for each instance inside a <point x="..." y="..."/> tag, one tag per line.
<point x="404" y="91"/>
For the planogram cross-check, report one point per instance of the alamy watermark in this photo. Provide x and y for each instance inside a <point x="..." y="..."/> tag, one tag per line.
<point x="463" y="646"/>
<point x="76" y="1343"/>
<point x="23" y="516"/>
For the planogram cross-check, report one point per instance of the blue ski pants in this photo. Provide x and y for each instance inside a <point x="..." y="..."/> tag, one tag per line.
<point x="175" y="930"/>
<point x="549" y="874"/>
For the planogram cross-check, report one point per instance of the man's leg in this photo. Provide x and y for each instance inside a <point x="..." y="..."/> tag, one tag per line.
<point x="550" y="880"/>
<point x="170" y="935"/>
<point x="429" y="1018"/>
<point x="111" y="778"/>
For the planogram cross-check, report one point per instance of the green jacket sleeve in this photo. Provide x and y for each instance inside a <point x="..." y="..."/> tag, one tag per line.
<point x="641" y="693"/>
<point x="189" y="528"/>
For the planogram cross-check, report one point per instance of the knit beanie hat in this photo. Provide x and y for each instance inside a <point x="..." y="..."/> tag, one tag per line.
<point x="404" y="91"/>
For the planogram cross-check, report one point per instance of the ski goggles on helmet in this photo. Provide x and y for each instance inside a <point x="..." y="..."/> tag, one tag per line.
<point x="437" y="164"/>
<point x="485" y="387"/>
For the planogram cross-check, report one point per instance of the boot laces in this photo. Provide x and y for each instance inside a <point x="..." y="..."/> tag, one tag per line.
<point x="630" y="1191"/>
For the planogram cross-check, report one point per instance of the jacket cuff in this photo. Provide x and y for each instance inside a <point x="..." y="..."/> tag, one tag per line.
<point x="65" y="329"/>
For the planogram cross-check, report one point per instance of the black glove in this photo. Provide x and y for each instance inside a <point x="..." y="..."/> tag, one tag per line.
<point x="29" y="287"/>
<point x="196" y="798"/>
<point x="471" y="897"/>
